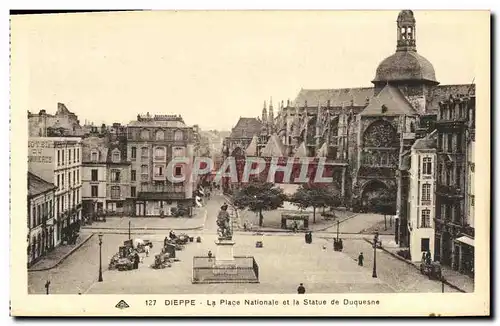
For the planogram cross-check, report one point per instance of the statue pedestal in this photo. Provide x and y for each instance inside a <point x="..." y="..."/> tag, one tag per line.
<point x="225" y="252"/>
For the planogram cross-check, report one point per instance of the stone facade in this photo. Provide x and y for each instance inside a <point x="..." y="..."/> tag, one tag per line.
<point x="62" y="123"/>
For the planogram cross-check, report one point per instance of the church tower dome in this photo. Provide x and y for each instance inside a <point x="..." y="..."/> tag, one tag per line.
<point x="406" y="65"/>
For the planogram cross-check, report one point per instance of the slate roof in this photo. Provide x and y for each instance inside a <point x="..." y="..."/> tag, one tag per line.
<point x="405" y="65"/>
<point x="37" y="185"/>
<point x="246" y="128"/>
<point x="252" y="148"/>
<point x="443" y="92"/>
<point x="338" y="97"/>
<point x="394" y="102"/>
<point x="121" y="146"/>
<point x="301" y="151"/>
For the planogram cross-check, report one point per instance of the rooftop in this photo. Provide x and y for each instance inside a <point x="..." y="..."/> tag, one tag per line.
<point x="37" y="185"/>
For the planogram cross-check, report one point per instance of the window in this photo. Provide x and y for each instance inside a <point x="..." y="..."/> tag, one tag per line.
<point x="58" y="157"/>
<point x="132" y="191"/>
<point x="78" y="155"/>
<point x="424" y="244"/>
<point x="144" y="152"/>
<point x="133" y="175"/>
<point x="160" y="153"/>
<point x="160" y="135"/>
<point x="472" y="201"/>
<point x="115" y="175"/>
<point x="62" y="156"/>
<point x="69" y="156"/>
<point x="426" y="192"/>
<point x="178" y="151"/>
<point x="50" y="207"/>
<point x="69" y="179"/>
<point x="77" y="176"/>
<point x="427" y="166"/>
<point x="94" y="191"/>
<point x="450" y="143"/>
<point x="94" y="156"/>
<point x="115" y="192"/>
<point x="74" y="177"/>
<point x="33" y="217"/>
<point x="58" y="180"/>
<point x="133" y="153"/>
<point x="38" y="214"/>
<point x="178" y="135"/>
<point x="145" y="134"/>
<point x="94" y="175"/>
<point x="62" y="181"/>
<point x="426" y="219"/>
<point x="74" y="155"/>
<point x="178" y="171"/>
<point x="116" y="155"/>
<point x="159" y="170"/>
<point x="144" y="169"/>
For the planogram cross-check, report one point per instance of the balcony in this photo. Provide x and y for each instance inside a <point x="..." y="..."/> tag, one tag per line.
<point x="468" y="230"/>
<point x="426" y="202"/>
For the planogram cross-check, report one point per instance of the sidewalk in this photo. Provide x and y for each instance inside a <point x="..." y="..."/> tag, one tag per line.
<point x="197" y="221"/>
<point x="59" y="254"/>
<point x="453" y="278"/>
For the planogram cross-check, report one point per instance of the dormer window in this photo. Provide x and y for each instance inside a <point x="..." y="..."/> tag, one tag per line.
<point x="94" y="156"/>
<point x="116" y="156"/>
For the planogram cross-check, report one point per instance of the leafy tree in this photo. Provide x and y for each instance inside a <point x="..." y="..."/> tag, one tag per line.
<point x="258" y="197"/>
<point x="384" y="204"/>
<point x="315" y="196"/>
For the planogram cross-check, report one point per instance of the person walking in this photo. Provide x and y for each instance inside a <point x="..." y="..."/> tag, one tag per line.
<point x="360" y="259"/>
<point x="210" y="255"/>
<point x="301" y="289"/>
<point x="146" y="250"/>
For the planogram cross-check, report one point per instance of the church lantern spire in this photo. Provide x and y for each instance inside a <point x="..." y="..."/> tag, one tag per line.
<point x="406" y="31"/>
<point x="264" y="113"/>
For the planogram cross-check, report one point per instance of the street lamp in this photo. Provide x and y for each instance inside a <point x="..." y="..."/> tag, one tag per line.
<point x="100" y="258"/>
<point x="375" y="241"/>
<point x="129" y="228"/>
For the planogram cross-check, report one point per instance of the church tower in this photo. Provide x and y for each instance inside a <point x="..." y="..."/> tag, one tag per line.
<point x="264" y="114"/>
<point x="271" y="117"/>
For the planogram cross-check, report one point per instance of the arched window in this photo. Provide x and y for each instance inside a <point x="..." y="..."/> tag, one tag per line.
<point x="178" y="151"/>
<point x="160" y="135"/>
<point x="94" y="156"/>
<point x="403" y="33"/>
<point x="380" y="134"/>
<point x="427" y="166"/>
<point x="145" y="134"/>
<point x="178" y="135"/>
<point x="116" y="155"/>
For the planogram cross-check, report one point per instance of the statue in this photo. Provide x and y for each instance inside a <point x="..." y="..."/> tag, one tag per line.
<point x="224" y="224"/>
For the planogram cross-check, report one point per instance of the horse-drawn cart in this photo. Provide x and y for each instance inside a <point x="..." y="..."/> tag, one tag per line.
<point x="431" y="269"/>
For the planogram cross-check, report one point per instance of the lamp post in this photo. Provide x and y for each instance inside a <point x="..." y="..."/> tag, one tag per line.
<point x="129" y="228"/>
<point x="47" y="286"/>
<point x="338" y="224"/>
<point x="375" y="241"/>
<point x="100" y="258"/>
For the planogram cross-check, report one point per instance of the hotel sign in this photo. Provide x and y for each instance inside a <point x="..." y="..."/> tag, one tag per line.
<point x="40" y="151"/>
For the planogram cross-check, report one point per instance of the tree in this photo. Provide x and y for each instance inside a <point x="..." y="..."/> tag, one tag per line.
<point x="384" y="204"/>
<point x="315" y="196"/>
<point x="258" y="197"/>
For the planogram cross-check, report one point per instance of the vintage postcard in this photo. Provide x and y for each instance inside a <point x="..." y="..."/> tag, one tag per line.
<point x="250" y="163"/>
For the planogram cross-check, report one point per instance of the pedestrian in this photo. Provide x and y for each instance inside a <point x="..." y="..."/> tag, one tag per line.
<point x="146" y="250"/>
<point x="301" y="289"/>
<point x="210" y="255"/>
<point x="360" y="259"/>
<point x="137" y="259"/>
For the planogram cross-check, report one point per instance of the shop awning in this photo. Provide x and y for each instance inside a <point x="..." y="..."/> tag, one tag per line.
<point x="466" y="240"/>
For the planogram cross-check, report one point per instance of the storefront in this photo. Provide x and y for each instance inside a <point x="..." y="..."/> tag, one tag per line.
<point x="465" y="247"/>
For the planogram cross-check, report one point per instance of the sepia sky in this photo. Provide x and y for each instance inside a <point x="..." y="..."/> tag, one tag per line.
<point x="214" y="67"/>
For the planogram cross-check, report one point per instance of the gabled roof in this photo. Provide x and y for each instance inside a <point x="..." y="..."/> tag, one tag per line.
<point x="37" y="185"/>
<point x="428" y="142"/>
<point x="394" y="102"/>
<point x="274" y="148"/>
<point x="246" y="128"/>
<point x="252" y="148"/>
<point x="338" y="97"/>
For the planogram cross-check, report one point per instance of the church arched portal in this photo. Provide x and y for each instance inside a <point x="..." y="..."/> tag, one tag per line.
<point x="373" y="189"/>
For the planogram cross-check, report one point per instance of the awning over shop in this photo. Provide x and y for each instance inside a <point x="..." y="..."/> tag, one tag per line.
<point x="466" y="240"/>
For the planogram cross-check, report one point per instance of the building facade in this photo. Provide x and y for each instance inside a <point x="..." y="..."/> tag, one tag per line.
<point x="156" y="148"/>
<point x="361" y="132"/>
<point x="421" y="199"/>
<point x="94" y="175"/>
<point x="58" y="160"/>
<point x="454" y="241"/>
<point x="41" y="226"/>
